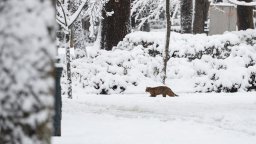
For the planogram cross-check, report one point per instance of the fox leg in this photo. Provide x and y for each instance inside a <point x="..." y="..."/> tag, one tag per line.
<point x="152" y="95"/>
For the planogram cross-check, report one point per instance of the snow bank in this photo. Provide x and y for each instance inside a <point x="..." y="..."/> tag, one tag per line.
<point x="219" y="63"/>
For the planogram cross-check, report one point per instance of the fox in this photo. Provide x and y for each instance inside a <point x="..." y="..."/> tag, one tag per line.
<point x="163" y="90"/>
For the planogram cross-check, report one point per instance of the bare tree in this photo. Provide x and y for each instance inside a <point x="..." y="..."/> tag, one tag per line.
<point x="77" y="28"/>
<point x="139" y="13"/>
<point x="143" y="11"/>
<point x="66" y="20"/>
<point x="167" y="42"/>
<point x="27" y="49"/>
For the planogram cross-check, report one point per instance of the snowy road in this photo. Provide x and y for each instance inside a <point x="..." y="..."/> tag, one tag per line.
<point x="139" y="119"/>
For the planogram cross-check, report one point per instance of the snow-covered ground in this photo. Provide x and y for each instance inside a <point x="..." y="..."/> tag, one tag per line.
<point x="215" y="118"/>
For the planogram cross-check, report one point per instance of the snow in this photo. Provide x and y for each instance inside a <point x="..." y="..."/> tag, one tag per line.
<point x="201" y="63"/>
<point x="126" y="114"/>
<point x="137" y="118"/>
<point x="243" y="3"/>
<point x="222" y="4"/>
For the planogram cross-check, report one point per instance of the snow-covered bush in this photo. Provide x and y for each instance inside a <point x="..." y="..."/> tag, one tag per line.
<point x="105" y="72"/>
<point x="219" y="63"/>
<point x="236" y="72"/>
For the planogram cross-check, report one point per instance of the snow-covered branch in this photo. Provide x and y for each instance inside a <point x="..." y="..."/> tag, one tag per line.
<point x="242" y="3"/>
<point x="76" y="14"/>
<point x="144" y="10"/>
<point x="64" y="20"/>
<point x="93" y="11"/>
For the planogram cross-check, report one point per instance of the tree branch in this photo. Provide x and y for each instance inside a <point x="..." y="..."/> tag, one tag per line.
<point x="76" y="14"/>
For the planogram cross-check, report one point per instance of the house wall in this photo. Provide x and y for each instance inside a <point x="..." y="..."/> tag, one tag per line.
<point x="222" y="18"/>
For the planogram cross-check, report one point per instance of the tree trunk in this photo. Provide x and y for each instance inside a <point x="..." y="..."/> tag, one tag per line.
<point x="69" y="43"/>
<point x="245" y="16"/>
<point x="117" y="26"/>
<point x="200" y="16"/>
<point x="68" y="61"/>
<point x="26" y="71"/>
<point x="167" y="42"/>
<point x="133" y="18"/>
<point x="78" y="34"/>
<point x="145" y="27"/>
<point x="186" y="7"/>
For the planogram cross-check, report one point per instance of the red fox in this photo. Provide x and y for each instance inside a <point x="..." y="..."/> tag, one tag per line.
<point x="164" y="90"/>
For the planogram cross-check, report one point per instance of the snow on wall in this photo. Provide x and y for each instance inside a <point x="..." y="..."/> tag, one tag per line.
<point x="220" y="63"/>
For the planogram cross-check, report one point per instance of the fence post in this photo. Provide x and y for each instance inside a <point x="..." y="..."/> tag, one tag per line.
<point x="58" y="101"/>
